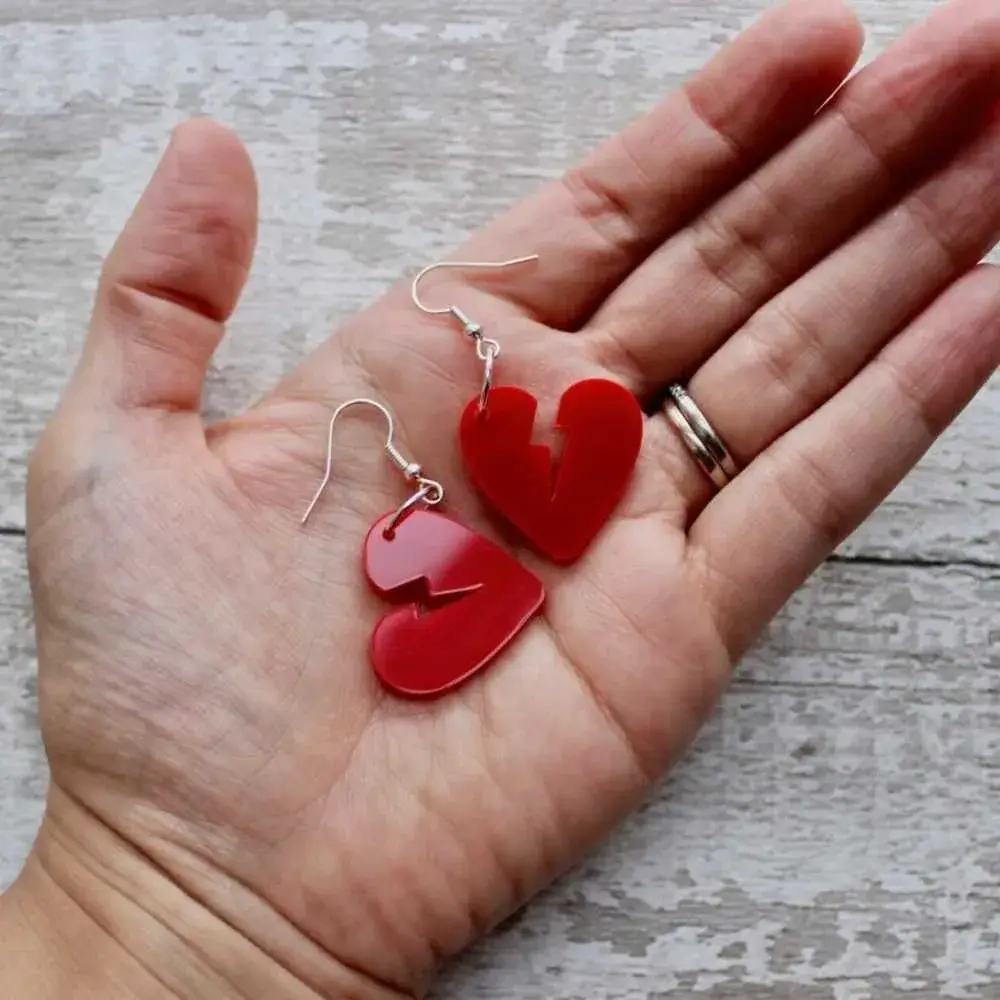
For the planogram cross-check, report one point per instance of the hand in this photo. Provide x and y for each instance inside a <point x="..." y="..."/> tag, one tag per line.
<point x="224" y="762"/>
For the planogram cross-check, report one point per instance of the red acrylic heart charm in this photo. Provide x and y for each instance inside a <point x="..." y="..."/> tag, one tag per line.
<point x="560" y="510"/>
<point x="476" y="597"/>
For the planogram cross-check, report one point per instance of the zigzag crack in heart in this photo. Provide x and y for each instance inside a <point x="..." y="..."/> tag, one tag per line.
<point x="477" y="599"/>
<point x="559" y="506"/>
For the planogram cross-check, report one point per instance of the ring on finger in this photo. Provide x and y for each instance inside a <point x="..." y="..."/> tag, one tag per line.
<point x="699" y="436"/>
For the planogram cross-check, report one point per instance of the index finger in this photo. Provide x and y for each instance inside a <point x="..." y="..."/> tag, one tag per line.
<point x="599" y="221"/>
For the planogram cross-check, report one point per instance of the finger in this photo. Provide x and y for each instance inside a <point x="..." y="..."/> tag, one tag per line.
<point x="813" y="338"/>
<point x="770" y="528"/>
<point x="920" y="100"/>
<point x="599" y="221"/>
<point x="175" y="274"/>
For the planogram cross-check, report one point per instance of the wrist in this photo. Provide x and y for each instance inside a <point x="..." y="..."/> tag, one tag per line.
<point x="92" y="917"/>
<point x="54" y="948"/>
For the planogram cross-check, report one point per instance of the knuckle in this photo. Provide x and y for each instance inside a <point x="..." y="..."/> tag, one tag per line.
<point x="734" y="244"/>
<point x="602" y="208"/>
<point x="794" y="349"/>
<point x="812" y="495"/>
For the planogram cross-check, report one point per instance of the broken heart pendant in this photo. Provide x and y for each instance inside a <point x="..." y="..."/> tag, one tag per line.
<point x="559" y="508"/>
<point x="466" y="599"/>
<point x="477" y="599"/>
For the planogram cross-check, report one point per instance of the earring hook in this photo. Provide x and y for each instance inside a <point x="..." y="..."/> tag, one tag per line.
<point x="487" y="349"/>
<point x="475" y="265"/>
<point x="429" y="492"/>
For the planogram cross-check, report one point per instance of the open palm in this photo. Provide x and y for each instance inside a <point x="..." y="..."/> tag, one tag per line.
<point x="206" y="694"/>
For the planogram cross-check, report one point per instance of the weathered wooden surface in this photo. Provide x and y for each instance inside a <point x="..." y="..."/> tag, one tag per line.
<point x="382" y="136"/>
<point x="836" y="836"/>
<point x="22" y="760"/>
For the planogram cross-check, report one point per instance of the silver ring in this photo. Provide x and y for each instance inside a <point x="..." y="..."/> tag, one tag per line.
<point x="699" y="435"/>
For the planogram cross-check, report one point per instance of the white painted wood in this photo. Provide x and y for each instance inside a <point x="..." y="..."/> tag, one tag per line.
<point x="383" y="134"/>
<point x="834" y="836"/>
<point x="23" y="772"/>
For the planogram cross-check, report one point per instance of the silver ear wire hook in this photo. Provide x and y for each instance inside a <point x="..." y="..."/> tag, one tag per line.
<point x="488" y="265"/>
<point x="487" y="350"/>
<point x="428" y="491"/>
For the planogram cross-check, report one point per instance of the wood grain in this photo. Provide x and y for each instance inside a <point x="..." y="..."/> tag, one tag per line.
<point x="834" y="835"/>
<point x="382" y="138"/>
<point x="23" y="772"/>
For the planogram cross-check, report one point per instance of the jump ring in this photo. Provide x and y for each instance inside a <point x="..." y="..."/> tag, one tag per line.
<point x="430" y="493"/>
<point x="488" y="350"/>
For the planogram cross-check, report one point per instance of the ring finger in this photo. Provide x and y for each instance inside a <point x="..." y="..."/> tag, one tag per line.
<point x="810" y="340"/>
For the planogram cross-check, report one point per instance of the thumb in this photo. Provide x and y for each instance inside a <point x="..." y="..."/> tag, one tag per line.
<point x="174" y="276"/>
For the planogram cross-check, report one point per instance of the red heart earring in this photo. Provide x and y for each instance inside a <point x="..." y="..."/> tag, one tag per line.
<point x="559" y="507"/>
<point x="464" y="598"/>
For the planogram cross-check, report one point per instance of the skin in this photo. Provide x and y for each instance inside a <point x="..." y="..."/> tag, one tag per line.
<point x="237" y="808"/>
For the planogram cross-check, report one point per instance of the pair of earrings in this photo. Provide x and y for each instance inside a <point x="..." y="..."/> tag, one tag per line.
<point x="478" y="598"/>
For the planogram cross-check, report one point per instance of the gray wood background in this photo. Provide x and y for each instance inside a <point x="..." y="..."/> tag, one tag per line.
<point x="836" y="833"/>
